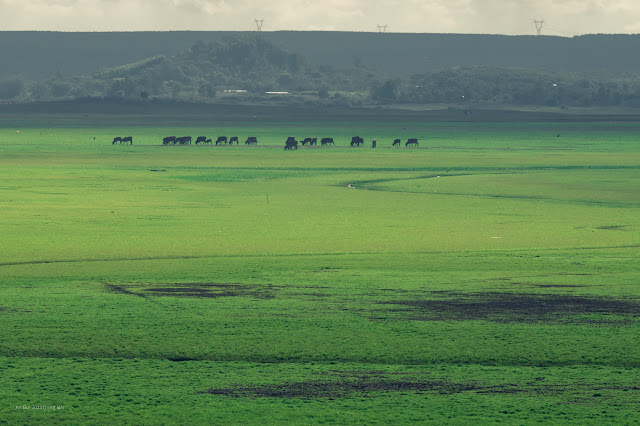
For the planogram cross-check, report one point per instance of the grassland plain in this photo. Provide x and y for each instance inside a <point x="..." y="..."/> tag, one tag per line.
<point x="490" y="275"/>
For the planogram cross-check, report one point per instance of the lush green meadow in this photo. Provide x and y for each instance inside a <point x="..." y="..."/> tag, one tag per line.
<point x="490" y="275"/>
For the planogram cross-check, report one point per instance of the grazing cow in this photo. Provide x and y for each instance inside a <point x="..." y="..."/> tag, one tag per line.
<point x="314" y="141"/>
<point x="221" y="140"/>
<point x="412" y="142"/>
<point x="327" y="141"/>
<point x="169" y="140"/>
<point x="184" y="140"/>
<point x="233" y="139"/>
<point x="396" y="142"/>
<point x="208" y="141"/>
<point x="306" y="141"/>
<point x="202" y="139"/>
<point x="127" y="139"/>
<point x="251" y="140"/>
<point x="116" y="140"/>
<point x="291" y="144"/>
<point x="357" y="141"/>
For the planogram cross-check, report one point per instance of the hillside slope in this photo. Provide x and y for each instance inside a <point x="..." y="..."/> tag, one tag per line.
<point x="248" y="68"/>
<point x="39" y="55"/>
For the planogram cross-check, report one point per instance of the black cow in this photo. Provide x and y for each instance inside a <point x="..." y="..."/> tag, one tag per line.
<point x="184" y="140"/>
<point x="327" y="141"/>
<point x="396" y="142"/>
<point x="251" y="140"/>
<point x="202" y="139"/>
<point x="314" y="141"/>
<point x="221" y="140"/>
<point x="306" y="141"/>
<point x="291" y="144"/>
<point x="233" y="139"/>
<point x="412" y="142"/>
<point x="127" y="139"/>
<point x="357" y="141"/>
<point x="169" y="140"/>
<point x="116" y="140"/>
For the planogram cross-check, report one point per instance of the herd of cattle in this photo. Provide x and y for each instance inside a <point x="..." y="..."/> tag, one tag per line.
<point x="222" y="140"/>
<point x="290" y="144"/>
<point x="122" y="141"/>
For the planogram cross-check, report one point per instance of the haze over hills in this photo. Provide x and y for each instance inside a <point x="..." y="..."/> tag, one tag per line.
<point x="348" y="69"/>
<point x="39" y="55"/>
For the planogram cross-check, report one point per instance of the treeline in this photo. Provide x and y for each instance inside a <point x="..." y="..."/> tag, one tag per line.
<point x="242" y="67"/>
<point x="249" y="68"/>
<point x="495" y="85"/>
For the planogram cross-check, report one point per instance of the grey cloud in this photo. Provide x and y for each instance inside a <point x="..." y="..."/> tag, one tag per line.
<point x="562" y="17"/>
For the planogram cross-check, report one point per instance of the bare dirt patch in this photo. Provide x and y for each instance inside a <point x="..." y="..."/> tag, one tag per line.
<point x="343" y="388"/>
<point x="559" y="285"/>
<point x="613" y="227"/>
<point x="213" y="290"/>
<point x="377" y="383"/>
<point x="121" y="289"/>
<point x="181" y="359"/>
<point x="197" y="290"/>
<point x="517" y="307"/>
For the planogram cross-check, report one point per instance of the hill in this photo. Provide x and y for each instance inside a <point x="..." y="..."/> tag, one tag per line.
<point x="250" y="68"/>
<point x="39" y="55"/>
<point x="241" y="67"/>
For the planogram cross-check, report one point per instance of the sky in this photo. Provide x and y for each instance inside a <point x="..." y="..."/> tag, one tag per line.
<point x="561" y="17"/>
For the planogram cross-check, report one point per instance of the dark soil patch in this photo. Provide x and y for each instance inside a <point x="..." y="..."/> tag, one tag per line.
<point x="377" y="383"/>
<point x="518" y="307"/>
<point x="317" y="295"/>
<point x="213" y="290"/>
<point x="119" y="289"/>
<point x="181" y="359"/>
<point x="558" y="285"/>
<point x="198" y="290"/>
<point x="612" y="227"/>
<point x="342" y="388"/>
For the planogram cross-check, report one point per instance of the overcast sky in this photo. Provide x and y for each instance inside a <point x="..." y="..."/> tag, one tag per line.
<point x="562" y="17"/>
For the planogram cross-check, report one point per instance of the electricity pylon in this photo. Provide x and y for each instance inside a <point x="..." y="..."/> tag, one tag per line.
<point x="538" y="25"/>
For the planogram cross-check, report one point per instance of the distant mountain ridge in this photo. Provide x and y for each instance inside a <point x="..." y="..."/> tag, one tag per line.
<point x="241" y="68"/>
<point x="250" y="68"/>
<point x="39" y="55"/>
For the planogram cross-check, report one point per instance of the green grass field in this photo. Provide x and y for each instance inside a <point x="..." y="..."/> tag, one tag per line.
<point x="489" y="276"/>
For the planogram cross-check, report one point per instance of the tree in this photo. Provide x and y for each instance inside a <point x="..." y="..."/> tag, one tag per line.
<point x="323" y="92"/>
<point x="11" y="88"/>
<point x="207" y="90"/>
<point x="387" y="91"/>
